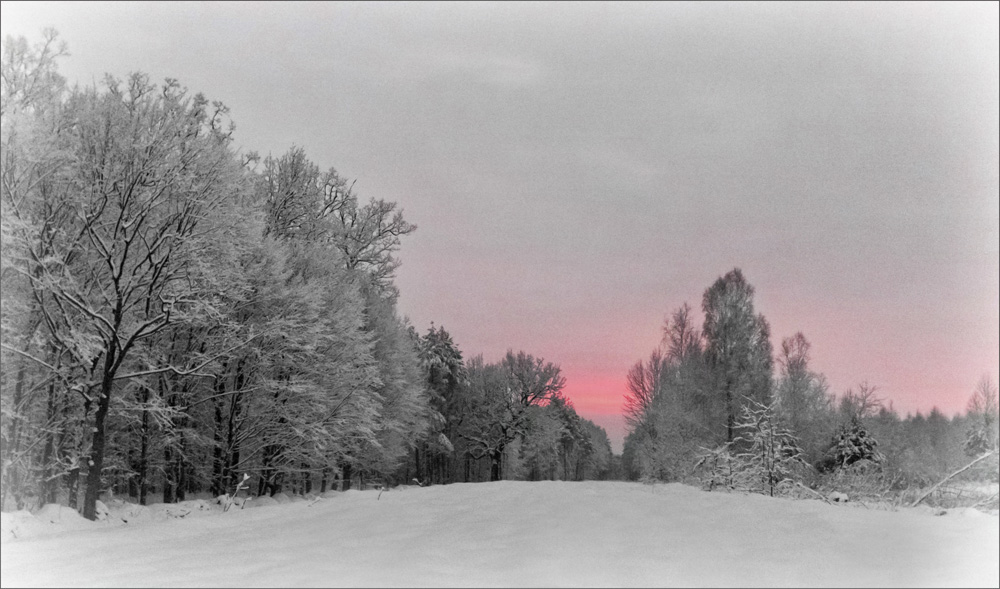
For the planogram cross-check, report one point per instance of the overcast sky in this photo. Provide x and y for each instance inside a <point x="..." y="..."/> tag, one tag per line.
<point x="578" y="171"/>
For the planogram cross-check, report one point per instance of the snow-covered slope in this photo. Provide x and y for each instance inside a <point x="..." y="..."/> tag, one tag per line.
<point x="524" y="534"/>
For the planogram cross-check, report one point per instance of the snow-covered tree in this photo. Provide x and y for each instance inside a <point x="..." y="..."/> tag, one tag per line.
<point x="140" y="174"/>
<point x="982" y="414"/>
<point x="851" y="444"/>
<point x="444" y="367"/>
<point x="737" y="345"/>
<point x="803" y="399"/>
<point x="769" y="452"/>
<point x="502" y="394"/>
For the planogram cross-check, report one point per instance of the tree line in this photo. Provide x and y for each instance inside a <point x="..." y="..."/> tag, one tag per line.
<point x="716" y="403"/>
<point x="176" y="314"/>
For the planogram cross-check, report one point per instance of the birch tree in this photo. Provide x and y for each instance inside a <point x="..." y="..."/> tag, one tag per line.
<point x="803" y="400"/>
<point x="737" y="345"/>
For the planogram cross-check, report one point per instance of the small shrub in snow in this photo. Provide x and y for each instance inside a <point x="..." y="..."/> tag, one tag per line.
<point x="771" y="455"/>
<point x="864" y="481"/>
<point x="768" y="459"/>
<point x="716" y="467"/>
<point x="228" y="500"/>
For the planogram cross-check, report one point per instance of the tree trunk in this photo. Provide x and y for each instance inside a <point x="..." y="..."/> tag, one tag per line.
<point x="347" y="470"/>
<point x="232" y="461"/>
<point x="169" y="480"/>
<point x="73" y="487"/>
<point x="264" y="485"/>
<point x="191" y="483"/>
<point x="231" y="457"/>
<point x="218" y="485"/>
<point x="180" y="469"/>
<point x="10" y="475"/>
<point x="730" y="417"/>
<point x="96" y="463"/>
<point x="143" y="466"/>
<point x="279" y="482"/>
<point x="48" y="486"/>
<point x="495" y="473"/>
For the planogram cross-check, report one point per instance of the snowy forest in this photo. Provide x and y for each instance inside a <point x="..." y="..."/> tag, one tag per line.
<point x="177" y="315"/>
<point x="180" y="317"/>
<point x="702" y="294"/>
<point x="717" y="406"/>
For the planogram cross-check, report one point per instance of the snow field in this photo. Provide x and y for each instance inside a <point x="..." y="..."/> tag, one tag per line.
<point x="525" y="534"/>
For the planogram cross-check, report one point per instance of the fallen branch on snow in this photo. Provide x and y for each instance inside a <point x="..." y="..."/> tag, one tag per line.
<point x="951" y="476"/>
<point x="987" y="501"/>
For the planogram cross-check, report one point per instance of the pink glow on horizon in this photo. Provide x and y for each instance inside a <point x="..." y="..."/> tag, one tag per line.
<point x="577" y="172"/>
<point x="847" y="351"/>
<point x="599" y="394"/>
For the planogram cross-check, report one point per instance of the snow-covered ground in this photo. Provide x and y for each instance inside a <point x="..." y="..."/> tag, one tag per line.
<point x="519" y="534"/>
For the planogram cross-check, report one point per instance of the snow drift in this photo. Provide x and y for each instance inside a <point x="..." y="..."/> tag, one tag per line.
<point x="519" y="534"/>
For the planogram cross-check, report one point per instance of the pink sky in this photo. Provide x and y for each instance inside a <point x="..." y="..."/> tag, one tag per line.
<point x="578" y="171"/>
<point x="851" y="343"/>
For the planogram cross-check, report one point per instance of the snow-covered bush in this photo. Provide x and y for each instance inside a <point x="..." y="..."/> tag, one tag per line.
<point x="852" y="443"/>
<point x="661" y="460"/>
<point x="863" y="480"/>
<point x="716" y="468"/>
<point x="979" y="440"/>
<point x="764" y="457"/>
<point x="770" y="454"/>
<point x="227" y="500"/>
<point x="852" y="463"/>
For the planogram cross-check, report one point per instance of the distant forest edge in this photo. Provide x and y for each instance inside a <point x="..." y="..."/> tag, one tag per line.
<point x="706" y="407"/>
<point x="177" y="315"/>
